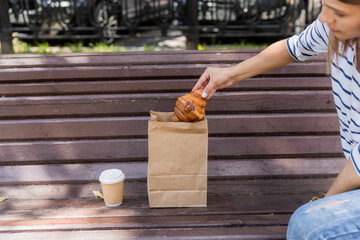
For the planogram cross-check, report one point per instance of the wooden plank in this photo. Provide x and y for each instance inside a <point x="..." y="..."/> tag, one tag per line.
<point x="320" y="57"/>
<point x="161" y="85"/>
<point x="144" y="59"/>
<point x="218" y="169"/>
<point x="91" y="59"/>
<point x="258" y="233"/>
<point x="137" y="149"/>
<point x="282" y="83"/>
<point x="139" y="207"/>
<point x="286" y="145"/>
<point x="295" y="123"/>
<point x="73" y="128"/>
<point x="135" y="189"/>
<point x="137" y="53"/>
<point x="115" y="127"/>
<point x="144" y="71"/>
<point x="111" y="223"/>
<point x="141" y="104"/>
<point x="121" y="59"/>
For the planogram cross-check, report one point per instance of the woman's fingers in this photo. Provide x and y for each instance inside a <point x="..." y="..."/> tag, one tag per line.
<point x="209" y="81"/>
<point x="203" y="80"/>
<point x="209" y="90"/>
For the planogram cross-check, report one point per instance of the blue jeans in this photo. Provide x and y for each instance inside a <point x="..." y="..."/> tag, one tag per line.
<point x="336" y="217"/>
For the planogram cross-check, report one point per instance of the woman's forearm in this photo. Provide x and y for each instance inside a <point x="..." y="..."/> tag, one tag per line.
<point x="274" y="56"/>
<point x="347" y="180"/>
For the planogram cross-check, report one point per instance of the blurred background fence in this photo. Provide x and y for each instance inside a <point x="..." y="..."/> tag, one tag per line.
<point x="109" y="20"/>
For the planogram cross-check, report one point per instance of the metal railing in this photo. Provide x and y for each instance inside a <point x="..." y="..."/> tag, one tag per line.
<point x="108" y="20"/>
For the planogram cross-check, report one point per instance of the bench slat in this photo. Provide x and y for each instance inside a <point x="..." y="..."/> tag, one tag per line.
<point x="135" y="189"/>
<point x="117" y="127"/>
<point x="52" y="152"/>
<point x="144" y="71"/>
<point x="161" y="85"/>
<point x="141" y="104"/>
<point x="139" y="207"/>
<point x="80" y="173"/>
<point x="143" y="58"/>
<point x="256" y="233"/>
<point x="181" y="53"/>
<point x="111" y="223"/>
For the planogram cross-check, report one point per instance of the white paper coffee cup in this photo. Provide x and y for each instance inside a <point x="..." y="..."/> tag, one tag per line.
<point x="112" y="184"/>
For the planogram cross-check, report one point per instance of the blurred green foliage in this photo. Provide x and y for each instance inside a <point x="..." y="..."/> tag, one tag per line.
<point x="76" y="47"/>
<point x="234" y="46"/>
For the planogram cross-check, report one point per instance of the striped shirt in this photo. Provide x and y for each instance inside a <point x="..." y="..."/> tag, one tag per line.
<point x="345" y="84"/>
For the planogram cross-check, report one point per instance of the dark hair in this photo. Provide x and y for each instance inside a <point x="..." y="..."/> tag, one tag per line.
<point x="333" y="45"/>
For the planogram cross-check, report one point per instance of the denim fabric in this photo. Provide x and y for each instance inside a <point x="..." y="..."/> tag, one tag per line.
<point x="336" y="217"/>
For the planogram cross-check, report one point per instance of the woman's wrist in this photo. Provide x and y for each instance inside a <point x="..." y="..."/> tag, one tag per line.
<point x="234" y="74"/>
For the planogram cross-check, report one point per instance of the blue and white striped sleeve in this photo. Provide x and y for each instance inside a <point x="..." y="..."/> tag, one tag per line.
<point x="313" y="40"/>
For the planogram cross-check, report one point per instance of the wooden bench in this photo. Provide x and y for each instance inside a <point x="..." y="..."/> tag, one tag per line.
<point x="273" y="144"/>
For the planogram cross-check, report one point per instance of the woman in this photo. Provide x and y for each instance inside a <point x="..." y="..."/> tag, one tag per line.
<point x="337" y="32"/>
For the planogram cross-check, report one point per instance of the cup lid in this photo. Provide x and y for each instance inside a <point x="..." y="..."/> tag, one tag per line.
<point x="111" y="176"/>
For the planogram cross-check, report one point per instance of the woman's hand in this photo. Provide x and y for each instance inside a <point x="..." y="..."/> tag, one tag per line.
<point x="213" y="79"/>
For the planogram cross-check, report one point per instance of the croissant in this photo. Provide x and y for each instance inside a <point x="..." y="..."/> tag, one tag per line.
<point x="190" y="107"/>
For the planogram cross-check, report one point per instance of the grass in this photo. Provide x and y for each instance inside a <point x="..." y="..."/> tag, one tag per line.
<point x="234" y="46"/>
<point x="75" y="47"/>
<point x="21" y="47"/>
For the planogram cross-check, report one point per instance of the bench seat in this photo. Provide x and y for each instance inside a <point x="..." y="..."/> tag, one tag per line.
<point x="273" y="144"/>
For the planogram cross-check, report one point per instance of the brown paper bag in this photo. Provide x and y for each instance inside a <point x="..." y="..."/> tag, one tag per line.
<point x="177" y="167"/>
